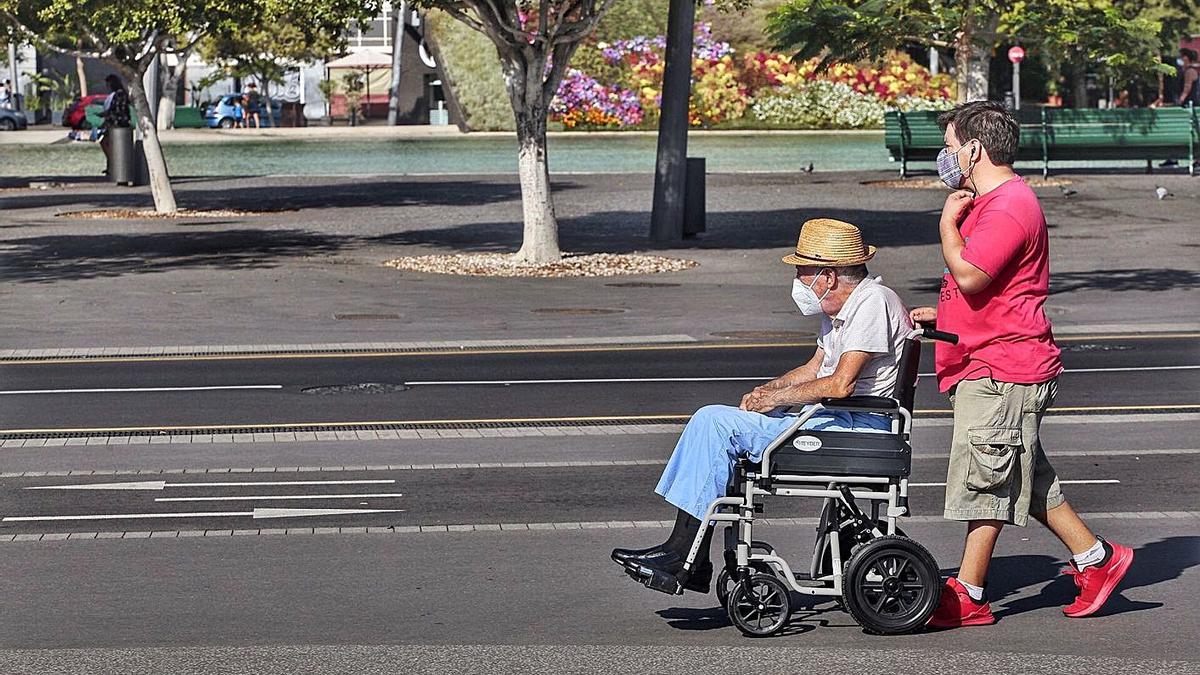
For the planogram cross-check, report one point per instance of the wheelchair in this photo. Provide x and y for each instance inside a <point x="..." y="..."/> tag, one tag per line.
<point x="887" y="582"/>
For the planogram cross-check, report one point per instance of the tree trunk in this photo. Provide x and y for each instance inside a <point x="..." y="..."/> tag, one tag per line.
<point x="972" y="55"/>
<point x="160" y="180"/>
<point x="81" y="73"/>
<point x="401" y="20"/>
<point x="539" y="241"/>
<point x="166" y="102"/>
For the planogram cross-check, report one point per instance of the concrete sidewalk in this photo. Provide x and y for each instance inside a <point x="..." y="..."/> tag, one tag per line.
<point x="310" y="271"/>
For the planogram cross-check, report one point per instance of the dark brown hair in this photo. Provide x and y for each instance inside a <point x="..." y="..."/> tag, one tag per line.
<point x="989" y="122"/>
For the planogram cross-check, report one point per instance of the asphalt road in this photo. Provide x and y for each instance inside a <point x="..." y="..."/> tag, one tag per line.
<point x="596" y="493"/>
<point x="488" y="569"/>
<point x="1103" y="374"/>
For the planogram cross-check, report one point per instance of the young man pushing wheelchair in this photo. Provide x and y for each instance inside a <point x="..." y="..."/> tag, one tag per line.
<point x="1001" y="378"/>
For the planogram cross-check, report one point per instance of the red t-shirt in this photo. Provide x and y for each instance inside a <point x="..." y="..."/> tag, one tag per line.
<point x="1003" y="330"/>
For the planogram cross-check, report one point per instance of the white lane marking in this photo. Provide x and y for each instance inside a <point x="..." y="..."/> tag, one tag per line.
<point x="135" y="390"/>
<point x="1087" y="481"/>
<point x="256" y="514"/>
<point x="651" y="380"/>
<point x="240" y="498"/>
<point x="160" y="484"/>
<point x="592" y="380"/>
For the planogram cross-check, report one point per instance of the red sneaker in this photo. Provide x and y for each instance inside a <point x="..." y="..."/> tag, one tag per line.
<point x="1097" y="582"/>
<point x="956" y="608"/>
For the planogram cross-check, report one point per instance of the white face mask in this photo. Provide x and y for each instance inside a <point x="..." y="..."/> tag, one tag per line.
<point x="806" y="298"/>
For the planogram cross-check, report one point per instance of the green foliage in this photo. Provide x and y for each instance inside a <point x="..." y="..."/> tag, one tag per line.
<point x="127" y="32"/>
<point x="831" y="105"/>
<point x="628" y="18"/>
<point x="1121" y="36"/>
<point x="472" y="66"/>
<point x="745" y="30"/>
<point x="266" y="52"/>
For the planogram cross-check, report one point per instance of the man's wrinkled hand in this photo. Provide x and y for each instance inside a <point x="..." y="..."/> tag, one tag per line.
<point x="958" y="203"/>
<point x="760" y="400"/>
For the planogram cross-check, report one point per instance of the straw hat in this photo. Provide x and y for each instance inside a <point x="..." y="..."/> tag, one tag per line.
<point x="826" y="242"/>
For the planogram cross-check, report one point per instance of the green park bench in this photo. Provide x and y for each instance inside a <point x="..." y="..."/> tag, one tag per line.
<point x="188" y="117"/>
<point x="1055" y="134"/>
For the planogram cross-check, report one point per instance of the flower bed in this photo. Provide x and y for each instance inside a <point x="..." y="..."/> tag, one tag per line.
<point x="619" y="86"/>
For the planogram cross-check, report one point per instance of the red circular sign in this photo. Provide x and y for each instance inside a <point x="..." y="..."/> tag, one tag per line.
<point x="1016" y="54"/>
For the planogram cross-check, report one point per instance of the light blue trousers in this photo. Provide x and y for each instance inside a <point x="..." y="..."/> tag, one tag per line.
<point x="701" y="467"/>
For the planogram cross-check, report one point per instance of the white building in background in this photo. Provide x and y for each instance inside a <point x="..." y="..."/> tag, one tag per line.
<point x="421" y="84"/>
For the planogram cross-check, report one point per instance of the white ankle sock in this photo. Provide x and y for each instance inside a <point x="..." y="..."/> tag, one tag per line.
<point x="1091" y="556"/>
<point x="976" y="592"/>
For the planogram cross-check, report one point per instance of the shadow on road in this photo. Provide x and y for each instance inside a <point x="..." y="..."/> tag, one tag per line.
<point x="1140" y="279"/>
<point x="1154" y="563"/>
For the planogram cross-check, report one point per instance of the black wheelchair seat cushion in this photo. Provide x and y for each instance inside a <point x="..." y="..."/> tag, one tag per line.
<point x="843" y="453"/>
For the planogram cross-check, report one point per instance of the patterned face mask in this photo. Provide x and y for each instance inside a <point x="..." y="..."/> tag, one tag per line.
<point x="949" y="171"/>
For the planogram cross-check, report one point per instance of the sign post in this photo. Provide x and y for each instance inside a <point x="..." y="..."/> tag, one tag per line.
<point x="1016" y="55"/>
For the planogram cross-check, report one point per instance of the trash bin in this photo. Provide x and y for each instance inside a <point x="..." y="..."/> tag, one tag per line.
<point x="694" y="210"/>
<point x="122" y="157"/>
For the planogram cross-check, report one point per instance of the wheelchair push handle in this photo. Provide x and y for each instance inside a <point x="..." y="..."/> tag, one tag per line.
<point x="934" y="334"/>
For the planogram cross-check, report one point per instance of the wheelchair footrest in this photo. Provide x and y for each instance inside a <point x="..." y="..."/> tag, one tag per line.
<point x="657" y="580"/>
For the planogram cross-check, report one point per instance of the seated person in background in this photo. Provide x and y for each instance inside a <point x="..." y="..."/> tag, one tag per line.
<point x="863" y="328"/>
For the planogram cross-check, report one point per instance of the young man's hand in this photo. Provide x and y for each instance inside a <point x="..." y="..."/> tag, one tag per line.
<point x="923" y="315"/>
<point x="958" y="203"/>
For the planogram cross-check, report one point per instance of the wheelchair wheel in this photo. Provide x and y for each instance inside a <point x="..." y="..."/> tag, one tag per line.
<point x="759" y="606"/>
<point x="891" y="585"/>
<point x="726" y="581"/>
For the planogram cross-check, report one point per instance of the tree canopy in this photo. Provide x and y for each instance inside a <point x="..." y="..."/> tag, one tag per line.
<point x="1119" y="36"/>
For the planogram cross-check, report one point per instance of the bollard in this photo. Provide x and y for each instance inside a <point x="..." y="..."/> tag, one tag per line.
<point x="141" y="172"/>
<point x="694" y="210"/>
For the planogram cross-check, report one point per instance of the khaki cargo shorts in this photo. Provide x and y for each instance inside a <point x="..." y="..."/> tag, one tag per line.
<point x="998" y="470"/>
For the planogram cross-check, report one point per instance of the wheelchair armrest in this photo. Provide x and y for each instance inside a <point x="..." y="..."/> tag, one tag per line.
<point x="871" y="403"/>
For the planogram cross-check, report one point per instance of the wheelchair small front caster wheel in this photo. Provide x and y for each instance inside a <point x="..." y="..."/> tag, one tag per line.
<point x="891" y="586"/>
<point x="726" y="581"/>
<point x="759" y="606"/>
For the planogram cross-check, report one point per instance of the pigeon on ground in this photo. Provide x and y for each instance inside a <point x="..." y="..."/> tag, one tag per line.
<point x="1066" y="191"/>
<point x="1162" y="192"/>
<point x="809" y="168"/>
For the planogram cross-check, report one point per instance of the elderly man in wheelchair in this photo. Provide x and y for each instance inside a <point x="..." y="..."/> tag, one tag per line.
<point x="848" y="442"/>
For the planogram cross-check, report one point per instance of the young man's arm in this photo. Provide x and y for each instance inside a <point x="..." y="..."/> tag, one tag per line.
<point x="970" y="279"/>
<point x="996" y="240"/>
<point x="838" y="385"/>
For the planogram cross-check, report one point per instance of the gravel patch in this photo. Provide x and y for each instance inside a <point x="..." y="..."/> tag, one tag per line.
<point x="571" y="265"/>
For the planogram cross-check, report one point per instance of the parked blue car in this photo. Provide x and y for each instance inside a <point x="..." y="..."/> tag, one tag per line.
<point x="224" y="114"/>
<point x="12" y="120"/>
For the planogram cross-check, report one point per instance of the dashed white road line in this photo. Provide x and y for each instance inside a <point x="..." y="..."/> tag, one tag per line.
<point x="160" y="485"/>
<point x="242" y="498"/>
<point x="256" y="514"/>
<point x="137" y="390"/>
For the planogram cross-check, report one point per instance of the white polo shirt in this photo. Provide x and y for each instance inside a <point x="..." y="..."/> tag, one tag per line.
<point x="873" y="320"/>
